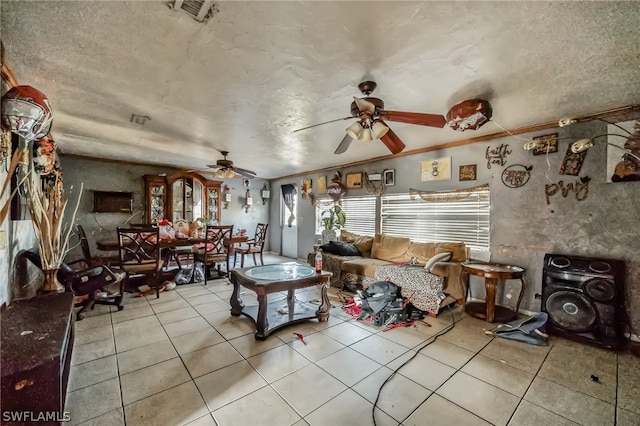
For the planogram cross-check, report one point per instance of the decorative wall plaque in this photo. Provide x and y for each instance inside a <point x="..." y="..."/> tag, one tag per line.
<point x="548" y="144"/>
<point x="354" y="180"/>
<point x="436" y="169"/>
<point x="516" y="175"/>
<point x="336" y="190"/>
<point x="572" y="162"/>
<point x="468" y="172"/>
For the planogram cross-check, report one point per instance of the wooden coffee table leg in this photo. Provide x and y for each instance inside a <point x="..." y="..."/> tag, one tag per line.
<point x="490" y="286"/>
<point x="323" y="311"/>
<point x="236" y="303"/>
<point x="261" y="322"/>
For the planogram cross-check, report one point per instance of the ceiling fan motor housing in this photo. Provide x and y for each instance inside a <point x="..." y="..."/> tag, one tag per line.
<point x="355" y="111"/>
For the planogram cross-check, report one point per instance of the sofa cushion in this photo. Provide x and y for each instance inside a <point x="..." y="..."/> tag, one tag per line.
<point x="393" y="249"/>
<point x="364" y="244"/>
<point x="340" y="248"/>
<point x="347" y="236"/>
<point x="365" y="267"/>
<point x="458" y="251"/>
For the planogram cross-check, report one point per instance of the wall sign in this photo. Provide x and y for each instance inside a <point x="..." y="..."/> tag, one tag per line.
<point x="572" y="162"/>
<point x="516" y="175"/>
<point x="548" y="144"/>
<point x="468" y="172"/>
<point x="579" y="187"/>
<point x="497" y="156"/>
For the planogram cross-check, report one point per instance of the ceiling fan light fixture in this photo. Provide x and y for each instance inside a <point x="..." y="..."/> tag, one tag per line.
<point x="581" y="145"/>
<point x="354" y="130"/>
<point x="379" y="129"/>
<point x="229" y="174"/>
<point x="365" y="135"/>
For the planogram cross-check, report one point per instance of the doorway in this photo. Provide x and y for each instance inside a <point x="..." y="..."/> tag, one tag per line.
<point x="289" y="220"/>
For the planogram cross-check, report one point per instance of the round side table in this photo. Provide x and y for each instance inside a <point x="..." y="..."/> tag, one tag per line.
<point x="494" y="275"/>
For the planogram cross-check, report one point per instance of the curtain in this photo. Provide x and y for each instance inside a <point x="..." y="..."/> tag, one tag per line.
<point x="289" y="197"/>
<point x="447" y="196"/>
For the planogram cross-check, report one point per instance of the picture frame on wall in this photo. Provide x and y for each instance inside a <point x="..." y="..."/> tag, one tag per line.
<point x="354" y="180"/>
<point x="389" y="177"/>
<point x="322" y="185"/>
<point x="623" y="152"/>
<point x="435" y="169"/>
<point x="468" y="172"/>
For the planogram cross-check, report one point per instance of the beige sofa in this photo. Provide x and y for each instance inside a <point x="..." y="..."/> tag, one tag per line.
<point x="357" y="272"/>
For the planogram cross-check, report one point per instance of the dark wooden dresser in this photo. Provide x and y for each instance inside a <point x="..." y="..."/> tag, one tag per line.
<point x="36" y="344"/>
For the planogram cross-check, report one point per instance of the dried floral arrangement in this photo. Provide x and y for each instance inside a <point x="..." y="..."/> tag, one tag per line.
<point x="47" y="213"/>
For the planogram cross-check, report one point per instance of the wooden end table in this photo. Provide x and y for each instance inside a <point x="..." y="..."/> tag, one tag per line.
<point x="264" y="280"/>
<point x="494" y="275"/>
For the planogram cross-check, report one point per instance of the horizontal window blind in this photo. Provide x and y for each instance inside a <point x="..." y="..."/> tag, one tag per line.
<point x="360" y="213"/>
<point x="465" y="220"/>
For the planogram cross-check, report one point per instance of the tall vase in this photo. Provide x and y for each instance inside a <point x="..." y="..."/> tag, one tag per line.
<point x="51" y="283"/>
<point x="328" y="235"/>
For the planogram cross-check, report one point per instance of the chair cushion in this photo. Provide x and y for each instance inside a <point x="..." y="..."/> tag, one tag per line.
<point x="141" y="267"/>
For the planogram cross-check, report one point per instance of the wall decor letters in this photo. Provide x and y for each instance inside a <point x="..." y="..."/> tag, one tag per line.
<point x="436" y="169"/>
<point x="579" y="187"/>
<point x="468" y="172"/>
<point x="497" y="155"/>
<point x="516" y="175"/>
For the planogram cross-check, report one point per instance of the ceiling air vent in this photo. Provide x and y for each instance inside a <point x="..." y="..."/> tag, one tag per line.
<point x="200" y="10"/>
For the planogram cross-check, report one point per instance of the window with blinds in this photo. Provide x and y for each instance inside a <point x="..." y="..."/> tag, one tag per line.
<point x="360" y="212"/>
<point x="465" y="220"/>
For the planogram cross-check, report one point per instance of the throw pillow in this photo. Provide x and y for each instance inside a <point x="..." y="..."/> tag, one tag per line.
<point x="363" y="244"/>
<point x="340" y="248"/>
<point x="440" y="257"/>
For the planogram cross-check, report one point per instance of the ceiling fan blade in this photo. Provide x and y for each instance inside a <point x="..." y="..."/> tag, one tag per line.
<point x="344" y="145"/>
<point x="215" y="166"/>
<point x="364" y="105"/>
<point x="392" y="141"/>
<point x="431" y="120"/>
<point x="241" y="171"/>
<point x="326" y="122"/>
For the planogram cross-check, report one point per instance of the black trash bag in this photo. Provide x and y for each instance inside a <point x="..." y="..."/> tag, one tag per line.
<point x="382" y="304"/>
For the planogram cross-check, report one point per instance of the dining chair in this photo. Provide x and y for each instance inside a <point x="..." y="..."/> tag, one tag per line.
<point x="139" y="250"/>
<point x="253" y="246"/>
<point x="216" y="249"/>
<point x="88" y="259"/>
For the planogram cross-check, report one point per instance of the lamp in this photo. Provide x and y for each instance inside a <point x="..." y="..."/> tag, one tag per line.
<point x="378" y="129"/>
<point x="265" y="194"/>
<point x="248" y="201"/>
<point x="581" y="145"/>
<point x="354" y="130"/>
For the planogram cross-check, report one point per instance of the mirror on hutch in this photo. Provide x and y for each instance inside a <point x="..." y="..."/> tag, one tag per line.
<point x="184" y="196"/>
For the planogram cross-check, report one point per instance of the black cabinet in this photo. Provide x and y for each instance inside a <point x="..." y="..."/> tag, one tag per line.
<point x="36" y="345"/>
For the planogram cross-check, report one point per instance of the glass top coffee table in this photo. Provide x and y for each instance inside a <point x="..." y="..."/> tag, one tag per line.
<point x="264" y="280"/>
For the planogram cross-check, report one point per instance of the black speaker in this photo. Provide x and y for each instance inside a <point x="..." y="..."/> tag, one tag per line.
<point x="584" y="298"/>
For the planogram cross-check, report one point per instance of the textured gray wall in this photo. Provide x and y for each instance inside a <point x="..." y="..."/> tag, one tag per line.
<point x="523" y="226"/>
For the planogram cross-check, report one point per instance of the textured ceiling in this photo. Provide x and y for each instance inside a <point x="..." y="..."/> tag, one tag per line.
<point x="255" y="71"/>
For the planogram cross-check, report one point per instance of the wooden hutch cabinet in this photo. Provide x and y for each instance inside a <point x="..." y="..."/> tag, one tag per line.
<point x="182" y="196"/>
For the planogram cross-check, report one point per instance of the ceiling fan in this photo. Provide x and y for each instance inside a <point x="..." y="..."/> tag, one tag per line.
<point x="225" y="169"/>
<point x="373" y="115"/>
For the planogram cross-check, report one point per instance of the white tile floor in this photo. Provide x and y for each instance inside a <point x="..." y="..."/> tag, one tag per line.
<point x="183" y="359"/>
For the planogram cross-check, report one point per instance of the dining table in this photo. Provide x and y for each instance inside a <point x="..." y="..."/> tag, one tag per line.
<point x="111" y="243"/>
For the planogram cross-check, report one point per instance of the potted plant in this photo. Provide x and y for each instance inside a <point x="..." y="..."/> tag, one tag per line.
<point x="332" y="220"/>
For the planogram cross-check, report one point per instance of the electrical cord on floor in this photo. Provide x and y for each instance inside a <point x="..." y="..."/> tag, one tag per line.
<point x="429" y="341"/>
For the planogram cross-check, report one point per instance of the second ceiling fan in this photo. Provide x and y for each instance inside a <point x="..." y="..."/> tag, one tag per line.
<point x="225" y="169"/>
<point x="372" y="115"/>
